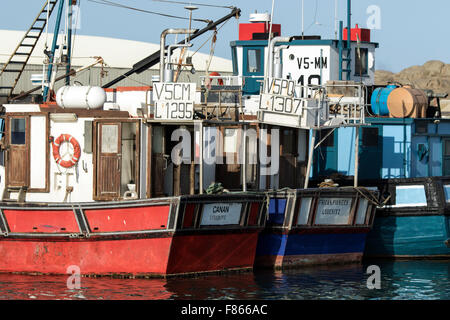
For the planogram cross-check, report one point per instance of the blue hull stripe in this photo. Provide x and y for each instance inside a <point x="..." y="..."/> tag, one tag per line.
<point x="304" y="244"/>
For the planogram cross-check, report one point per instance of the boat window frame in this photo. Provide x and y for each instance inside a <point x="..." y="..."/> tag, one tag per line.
<point x="95" y="151"/>
<point x="406" y="205"/>
<point x="6" y="146"/>
<point x="364" y="66"/>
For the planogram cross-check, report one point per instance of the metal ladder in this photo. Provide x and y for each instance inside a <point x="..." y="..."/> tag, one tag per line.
<point x="345" y="55"/>
<point x="348" y="60"/>
<point x="19" y="59"/>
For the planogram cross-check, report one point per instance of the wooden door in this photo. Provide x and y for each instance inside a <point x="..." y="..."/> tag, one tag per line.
<point x="109" y="160"/>
<point x="18" y="150"/>
<point x="229" y="173"/>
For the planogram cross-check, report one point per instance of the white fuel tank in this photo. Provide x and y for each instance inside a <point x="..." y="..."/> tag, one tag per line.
<point x="81" y="97"/>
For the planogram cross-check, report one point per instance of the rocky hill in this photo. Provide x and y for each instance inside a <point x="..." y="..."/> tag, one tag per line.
<point x="434" y="75"/>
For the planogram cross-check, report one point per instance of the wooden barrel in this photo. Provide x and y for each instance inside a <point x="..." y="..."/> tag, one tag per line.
<point x="407" y="102"/>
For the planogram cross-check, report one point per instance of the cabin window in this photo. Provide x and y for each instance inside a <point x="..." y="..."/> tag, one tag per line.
<point x="18" y="131"/>
<point x="234" y="60"/>
<point x="362" y="210"/>
<point x="370" y="137"/>
<point x="110" y="138"/>
<point x="447" y="147"/>
<point x="361" y="61"/>
<point x="254" y="60"/>
<point x="329" y="141"/>
<point x="305" y="209"/>
<point x="421" y="127"/>
<point x="410" y="196"/>
<point x="447" y="193"/>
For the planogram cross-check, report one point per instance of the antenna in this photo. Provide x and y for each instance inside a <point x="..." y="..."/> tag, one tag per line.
<point x="271" y="21"/>
<point x="335" y="19"/>
<point x="190" y="8"/>
<point x="303" y="19"/>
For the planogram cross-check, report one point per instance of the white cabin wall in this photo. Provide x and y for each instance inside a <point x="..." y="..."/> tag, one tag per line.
<point x="300" y="60"/>
<point x="61" y="177"/>
<point x="131" y="100"/>
<point x="334" y="69"/>
<point x="38" y="144"/>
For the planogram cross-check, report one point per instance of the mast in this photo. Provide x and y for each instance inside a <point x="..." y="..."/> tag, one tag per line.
<point x="53" y="51"/>
<point x="69" y="39"/>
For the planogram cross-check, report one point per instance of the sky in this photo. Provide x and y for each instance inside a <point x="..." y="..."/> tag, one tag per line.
<point x="409" y="32"/>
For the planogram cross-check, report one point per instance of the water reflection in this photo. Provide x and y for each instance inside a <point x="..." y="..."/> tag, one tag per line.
<point x="399" y="280"/>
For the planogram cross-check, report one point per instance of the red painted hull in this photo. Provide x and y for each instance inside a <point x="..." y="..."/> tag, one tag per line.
<point x="92" y="257"/>
<point x="218" y="252"/>
<point x="137" y="240"/>
<point x="151" y="256"/>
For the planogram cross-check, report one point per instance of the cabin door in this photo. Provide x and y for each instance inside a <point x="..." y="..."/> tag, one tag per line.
<point x="17" y="161"/>
<point x="370" y="152"/>
<point x="229" y="172"/>
<point x="326" y="153"/>
<point x="109" y="160"/>
<point x="446" y="162"/>
<point x="253" y="67"/>
<point x="159" y="161"/>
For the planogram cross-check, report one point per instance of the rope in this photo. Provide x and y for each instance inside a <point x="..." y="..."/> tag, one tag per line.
<point x="372" y="198"/>
<point x="215" y="188"/>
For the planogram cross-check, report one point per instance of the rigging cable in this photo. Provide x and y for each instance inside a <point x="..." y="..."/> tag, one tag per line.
<point x="114" y="4"/>
<point x="195" y="4"/>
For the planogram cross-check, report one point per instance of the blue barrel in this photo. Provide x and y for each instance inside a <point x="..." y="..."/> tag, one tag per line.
<point x="379" y="100"/>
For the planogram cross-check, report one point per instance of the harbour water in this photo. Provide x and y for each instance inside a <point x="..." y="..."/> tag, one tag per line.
<point x="400" y="280"/>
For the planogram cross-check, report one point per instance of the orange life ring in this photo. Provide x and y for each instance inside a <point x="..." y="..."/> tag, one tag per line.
<point x="76" y="150"/>
<point x="209" y="80"/>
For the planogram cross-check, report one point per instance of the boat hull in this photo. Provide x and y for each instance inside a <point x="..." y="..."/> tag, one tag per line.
<point x="293" y="250"/>
<point x="156" y="238"/>
<point x="409" y="237"/>
<point x="314" y="227"/>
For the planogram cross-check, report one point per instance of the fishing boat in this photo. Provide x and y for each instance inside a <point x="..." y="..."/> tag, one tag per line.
<point x="88" y="179"/>
<point x="285" y="89"/>
<point x="402" y="152"/>
<point x="405" y="160"/>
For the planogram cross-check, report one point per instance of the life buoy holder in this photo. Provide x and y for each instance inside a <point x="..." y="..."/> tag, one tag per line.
<point x="209" y="80"/>
<point x="76" y="150"/>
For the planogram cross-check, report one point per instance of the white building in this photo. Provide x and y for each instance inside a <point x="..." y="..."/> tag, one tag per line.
<point x="119" y="55"/>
